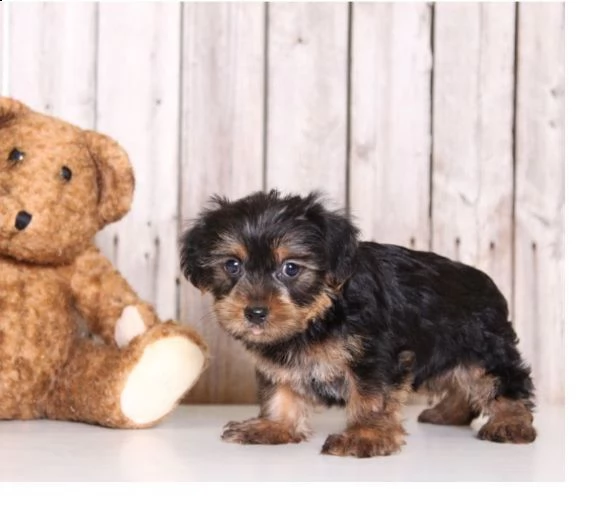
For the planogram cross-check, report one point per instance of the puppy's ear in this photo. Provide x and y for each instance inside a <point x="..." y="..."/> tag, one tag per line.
<point x="194" y="248"/>
<point x="341" y="238"/>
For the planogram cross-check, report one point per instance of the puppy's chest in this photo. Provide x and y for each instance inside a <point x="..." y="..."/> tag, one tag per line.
<point x="319" y="373"/>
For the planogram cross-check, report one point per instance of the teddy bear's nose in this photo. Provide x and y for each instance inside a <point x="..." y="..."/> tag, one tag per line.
<point x="22" y="221"/>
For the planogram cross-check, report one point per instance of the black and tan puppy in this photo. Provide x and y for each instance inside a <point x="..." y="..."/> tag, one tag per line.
<point x="333" y="321"/>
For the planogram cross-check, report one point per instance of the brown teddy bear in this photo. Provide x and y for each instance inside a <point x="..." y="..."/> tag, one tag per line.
<point x="59" y="185"/>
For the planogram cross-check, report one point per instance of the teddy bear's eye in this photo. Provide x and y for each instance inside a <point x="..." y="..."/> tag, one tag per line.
<point x="16" y="155"/>
<point x="66" y="173"/>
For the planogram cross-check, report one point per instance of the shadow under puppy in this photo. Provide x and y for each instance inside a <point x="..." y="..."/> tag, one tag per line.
<point x="333" y="321"/>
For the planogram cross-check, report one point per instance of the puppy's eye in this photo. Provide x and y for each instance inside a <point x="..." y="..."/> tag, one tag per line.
<point x="233" y="267"/>
<point x="290" y="269"/>
<point x="16" y="155"/>
<point x="66" y="173"/>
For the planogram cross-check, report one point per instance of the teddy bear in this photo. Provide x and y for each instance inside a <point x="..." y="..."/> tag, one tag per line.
<point x="76" y="342"/>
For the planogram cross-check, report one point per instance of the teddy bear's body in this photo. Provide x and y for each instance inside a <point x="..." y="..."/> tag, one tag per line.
<point x="76" y="342"/>
<point x="25" y="370"/>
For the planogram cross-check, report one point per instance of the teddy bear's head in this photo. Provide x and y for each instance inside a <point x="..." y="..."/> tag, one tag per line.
<point x="59" y="185"/>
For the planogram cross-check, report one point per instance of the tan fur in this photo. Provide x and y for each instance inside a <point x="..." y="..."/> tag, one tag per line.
<point x="260" y="431"/>
<point x="473" y="384"/>
<point x="453" y="409"/>
<point x="282" y="253"/>
<point x="231" y="247"/>
<point x="374" y="424"/>
<point x="510" y="421"/>
<point x="285" y="318"/>
<point x="374" y="420"/>
<point x="317" y="308"/>
<point x="324" y="362"/>
<point x="53" y="278"/>
<point x="288" y="407"/>
<point x="466" y="392"/>
<point x="365" y="441"/>
<point x="283" y="419"/>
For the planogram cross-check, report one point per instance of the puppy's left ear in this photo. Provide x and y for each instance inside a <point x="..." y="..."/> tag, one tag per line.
<point x="341" y="237"/>
<point x="193" y="251"/>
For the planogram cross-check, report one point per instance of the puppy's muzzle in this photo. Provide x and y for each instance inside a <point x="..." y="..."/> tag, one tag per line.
<point x="256" y="315"/>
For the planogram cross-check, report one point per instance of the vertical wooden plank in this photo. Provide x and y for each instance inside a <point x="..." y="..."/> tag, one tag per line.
<point x="307" y="97"/>
<point x="2" y="48"/>
<point x="222" y="153"/>
<point x="472" y="180"/>
<point x="540" y="181"/>
<point x="390" y="122"/>
<point x="52" y="54"/>
<point x="138" y="104"/>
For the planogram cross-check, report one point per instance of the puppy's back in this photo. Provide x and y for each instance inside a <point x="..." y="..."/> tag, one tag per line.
<point x="428" y="280"/>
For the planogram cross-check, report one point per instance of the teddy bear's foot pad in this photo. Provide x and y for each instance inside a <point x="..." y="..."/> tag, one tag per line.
<point x="165" y="371"/>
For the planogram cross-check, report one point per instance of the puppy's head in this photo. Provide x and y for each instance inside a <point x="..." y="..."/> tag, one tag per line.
<point x="272" y="263"/>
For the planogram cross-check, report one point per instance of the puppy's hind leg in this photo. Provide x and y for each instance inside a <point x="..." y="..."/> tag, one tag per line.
<point x="504" y="394"/>
<point x="454" y="409"/>
<point x="510" y="409"/>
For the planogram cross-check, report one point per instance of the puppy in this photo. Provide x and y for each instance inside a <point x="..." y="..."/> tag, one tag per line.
<point x="331" y="321"/>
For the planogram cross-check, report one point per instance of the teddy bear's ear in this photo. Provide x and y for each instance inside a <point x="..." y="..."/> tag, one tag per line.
<point x="114" y="174"/>
<point x="10" y="109"/>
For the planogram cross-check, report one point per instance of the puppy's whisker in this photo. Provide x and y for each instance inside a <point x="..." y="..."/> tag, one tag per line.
<point x="209" y="314"/>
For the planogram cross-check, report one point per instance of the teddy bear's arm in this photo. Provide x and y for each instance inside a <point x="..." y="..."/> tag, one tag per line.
<point x="107" y="302"/>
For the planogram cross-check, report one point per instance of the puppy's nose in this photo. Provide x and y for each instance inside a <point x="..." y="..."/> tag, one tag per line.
<point x="256" y="314"/>
<point x="22" y="221"/>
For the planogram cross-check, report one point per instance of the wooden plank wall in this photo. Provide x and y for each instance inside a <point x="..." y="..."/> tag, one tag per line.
<point x="138" y="86"/>
<point x="3" y="22"/>
<point x="540" y="194"/>
<point x="437" y="126"/>
<point x="390" y="122"/>
<point x="223" y="58"/>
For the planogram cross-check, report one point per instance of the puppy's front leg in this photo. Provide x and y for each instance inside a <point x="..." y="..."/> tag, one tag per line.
<point x="283" y="418"/>
<point x="374" y="425"/>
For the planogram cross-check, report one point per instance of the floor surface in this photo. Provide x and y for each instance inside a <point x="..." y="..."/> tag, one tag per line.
<point x="187" y="447"/>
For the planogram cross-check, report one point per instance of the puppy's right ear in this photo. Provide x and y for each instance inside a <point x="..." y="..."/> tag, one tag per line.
<point x="193" y="251"/>
<point x="342" y="243"/>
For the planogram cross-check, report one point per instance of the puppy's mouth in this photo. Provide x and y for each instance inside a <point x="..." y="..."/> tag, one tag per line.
<point x="259" y="333"/>
<point x="256" y="329"/>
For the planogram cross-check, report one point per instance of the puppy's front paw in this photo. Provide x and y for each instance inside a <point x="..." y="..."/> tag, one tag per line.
<point x="260" y="432"/>
<point x="364" y="442"/>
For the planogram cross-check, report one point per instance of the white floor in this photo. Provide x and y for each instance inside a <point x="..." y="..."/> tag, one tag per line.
<point x="187" y="448"/>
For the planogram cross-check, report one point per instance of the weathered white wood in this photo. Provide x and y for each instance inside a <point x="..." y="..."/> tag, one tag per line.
<point x="307" y="98"/>
<point x="540" y="171"/>
<point x="222" y="153"/>
<point x="472" y="184"/>
<point x="3" y="36"/>
<point x="52" y="53"/>
<point x="138" y="104"/>
<point x="390" y="122"/>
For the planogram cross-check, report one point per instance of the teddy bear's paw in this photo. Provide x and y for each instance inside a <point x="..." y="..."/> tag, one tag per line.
<point x="129" y="326"/>
<point x="165" y="371"/>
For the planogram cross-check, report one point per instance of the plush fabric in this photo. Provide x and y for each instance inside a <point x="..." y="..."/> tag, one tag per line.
<point x="61" y="300"/>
